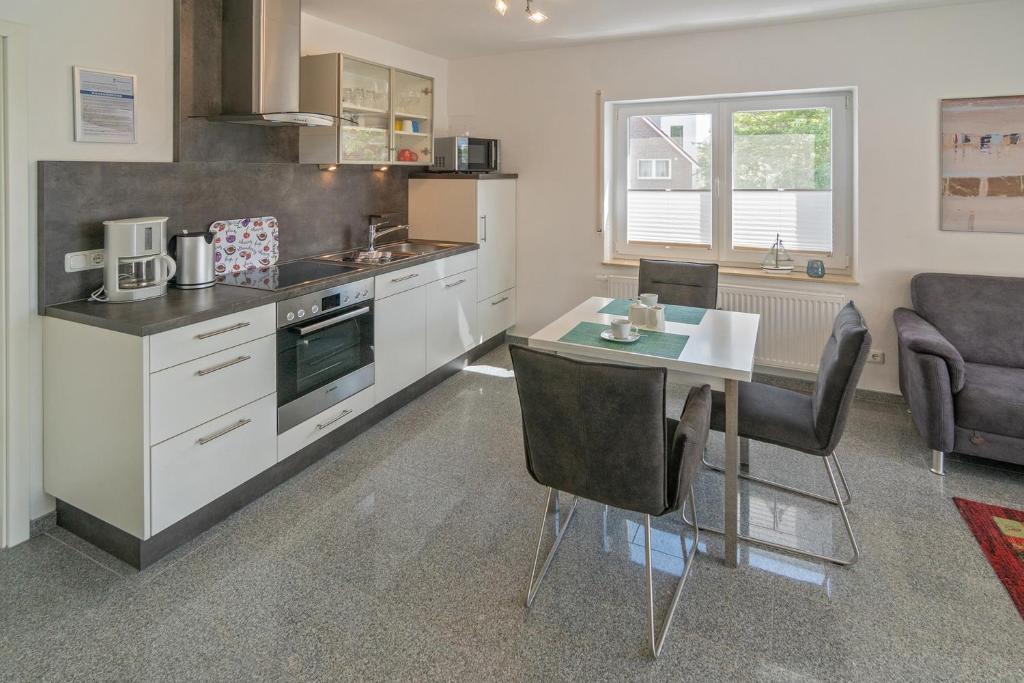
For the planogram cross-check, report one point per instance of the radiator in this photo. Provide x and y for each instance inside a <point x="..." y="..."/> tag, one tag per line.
<point x="794" y="325"/>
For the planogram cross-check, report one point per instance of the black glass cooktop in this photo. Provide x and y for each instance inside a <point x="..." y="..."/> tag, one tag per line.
<point x="285" y="275"/>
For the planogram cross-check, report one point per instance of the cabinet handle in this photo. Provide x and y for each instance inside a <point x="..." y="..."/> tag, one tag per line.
<point x="228" y="364"/>
<point x="499" y="301"/>
<point x="483" y="220"/>
<point x="232" y="328"/>
<point x="227" y="430"/>
<point x="403" y="279"/>
<point x="455" y="284"/>
<point x="325" y="425"/>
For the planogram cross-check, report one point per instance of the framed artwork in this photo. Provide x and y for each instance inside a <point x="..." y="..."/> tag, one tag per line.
<point x="983" y="164"/>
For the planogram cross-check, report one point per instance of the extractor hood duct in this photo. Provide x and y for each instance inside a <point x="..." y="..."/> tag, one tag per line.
<point x="260" y="65"/>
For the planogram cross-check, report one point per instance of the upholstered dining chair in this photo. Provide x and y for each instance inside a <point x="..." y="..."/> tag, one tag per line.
<point x="680" y="283"/>
<point x="599" y="431"/>
<point x="809" y="424"/>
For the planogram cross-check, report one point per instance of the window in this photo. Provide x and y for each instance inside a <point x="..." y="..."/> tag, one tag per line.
<point x="654" y="169"/>
<point x="720" y="179"/>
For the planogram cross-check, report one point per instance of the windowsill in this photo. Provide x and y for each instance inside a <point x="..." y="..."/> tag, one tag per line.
<point x="796" y="275"/>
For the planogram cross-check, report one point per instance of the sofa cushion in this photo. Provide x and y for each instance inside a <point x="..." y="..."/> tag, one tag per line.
<point x="992" y="400"/>
<point x="983" y="317"/>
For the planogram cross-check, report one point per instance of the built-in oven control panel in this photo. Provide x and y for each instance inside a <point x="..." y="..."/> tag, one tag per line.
<point x="324" y="302"/>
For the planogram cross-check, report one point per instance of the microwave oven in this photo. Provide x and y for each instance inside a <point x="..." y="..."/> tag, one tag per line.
<point x="463" y="154"/>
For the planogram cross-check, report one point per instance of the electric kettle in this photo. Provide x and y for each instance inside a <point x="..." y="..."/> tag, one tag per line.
<point x="193" y="252"/>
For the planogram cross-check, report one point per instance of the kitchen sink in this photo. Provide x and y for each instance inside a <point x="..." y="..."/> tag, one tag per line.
<point x="387" y="253"/>
<point x="414" y="248"/>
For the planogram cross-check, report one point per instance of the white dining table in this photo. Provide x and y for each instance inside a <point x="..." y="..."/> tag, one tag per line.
<point x="719" y="352"/>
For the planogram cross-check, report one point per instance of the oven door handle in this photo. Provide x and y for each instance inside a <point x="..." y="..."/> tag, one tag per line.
<point x="323" y="324"/>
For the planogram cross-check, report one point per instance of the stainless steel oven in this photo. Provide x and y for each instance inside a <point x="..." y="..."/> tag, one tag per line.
<point x="324" y="350"/>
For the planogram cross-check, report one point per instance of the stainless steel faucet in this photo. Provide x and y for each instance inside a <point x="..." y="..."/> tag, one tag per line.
<point x="379" y="226"/>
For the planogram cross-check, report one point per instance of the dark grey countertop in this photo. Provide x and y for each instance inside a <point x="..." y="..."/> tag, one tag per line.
<point x="184" y="307"/>
<point x="463" y="176"/>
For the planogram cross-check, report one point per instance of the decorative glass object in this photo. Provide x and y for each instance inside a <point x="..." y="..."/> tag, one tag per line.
<point x="777" y="260"/>
<point x="816" y="268"/>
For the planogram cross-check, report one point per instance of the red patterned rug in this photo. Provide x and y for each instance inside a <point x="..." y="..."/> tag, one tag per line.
<point x="1000" y="533"/>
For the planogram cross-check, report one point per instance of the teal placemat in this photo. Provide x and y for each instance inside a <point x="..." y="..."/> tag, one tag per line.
<point x="688" y="315"/>
<point x="660" y="344"/>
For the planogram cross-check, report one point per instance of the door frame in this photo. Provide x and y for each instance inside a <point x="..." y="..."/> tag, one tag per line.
<point x="17" y="304"/>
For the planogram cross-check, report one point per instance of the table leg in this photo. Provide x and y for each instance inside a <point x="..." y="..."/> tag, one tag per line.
<point x="732" y="470"/>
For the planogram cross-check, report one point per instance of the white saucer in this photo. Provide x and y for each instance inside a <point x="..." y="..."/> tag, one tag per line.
<point x="607" y="334"/>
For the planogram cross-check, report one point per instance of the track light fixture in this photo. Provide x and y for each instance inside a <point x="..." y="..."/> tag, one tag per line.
<point x="534" y="15"/>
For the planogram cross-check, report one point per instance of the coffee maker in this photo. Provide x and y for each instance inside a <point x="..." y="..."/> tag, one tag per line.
<point x="136" y="264"/>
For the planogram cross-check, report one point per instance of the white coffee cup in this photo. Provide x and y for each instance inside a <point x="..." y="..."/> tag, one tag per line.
<point x="649" y="300"/>
<point x="622" y="328"/>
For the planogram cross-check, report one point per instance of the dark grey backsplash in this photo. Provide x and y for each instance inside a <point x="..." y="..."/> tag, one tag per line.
<point x="317" y="210"/>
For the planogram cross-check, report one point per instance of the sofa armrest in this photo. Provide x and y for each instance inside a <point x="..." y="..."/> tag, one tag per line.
<point x="925" y="384"/>
<point x="919" y="336"/>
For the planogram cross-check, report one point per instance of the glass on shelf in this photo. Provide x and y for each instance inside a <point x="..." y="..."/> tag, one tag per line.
<point x="365" y="100"/>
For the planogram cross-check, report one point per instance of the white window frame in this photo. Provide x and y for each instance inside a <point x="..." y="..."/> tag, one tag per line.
<point x="721" y="109"/>
<point x="654" y="170"/>
<point x="619" y="148"/>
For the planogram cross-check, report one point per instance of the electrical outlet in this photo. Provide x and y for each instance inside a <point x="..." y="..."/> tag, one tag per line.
<point x="876" y="357"/>
<point x="83" y="260"/>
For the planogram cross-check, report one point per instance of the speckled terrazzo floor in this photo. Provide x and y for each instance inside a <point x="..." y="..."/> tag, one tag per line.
<point x="405" y="556"/>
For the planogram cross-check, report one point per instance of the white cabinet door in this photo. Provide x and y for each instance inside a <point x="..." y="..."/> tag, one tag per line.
<point x="451" y="318"/>
<point x="496" y="262"/>
<point x="399" y="333"/>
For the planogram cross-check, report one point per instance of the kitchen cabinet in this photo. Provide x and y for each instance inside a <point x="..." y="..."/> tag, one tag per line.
<point x="157" y="435"/>
<point x="140" y="432"/>
<point x="400" y="340"/>
<point x="474" y="209"/>
<point x="386" y="114"/>
<point x="451" y="318"/>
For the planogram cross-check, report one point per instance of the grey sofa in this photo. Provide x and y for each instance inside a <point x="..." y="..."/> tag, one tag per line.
<point x="961" y="357"/>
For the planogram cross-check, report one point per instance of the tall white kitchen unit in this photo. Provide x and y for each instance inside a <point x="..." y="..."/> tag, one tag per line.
<point x="474" y="208"/>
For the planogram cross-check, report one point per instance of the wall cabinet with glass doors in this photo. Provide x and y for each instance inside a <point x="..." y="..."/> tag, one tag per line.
<point x="386" y="114"/>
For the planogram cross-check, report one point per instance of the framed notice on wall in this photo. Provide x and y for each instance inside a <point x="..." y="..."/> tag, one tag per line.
<point x="104" y="106"/>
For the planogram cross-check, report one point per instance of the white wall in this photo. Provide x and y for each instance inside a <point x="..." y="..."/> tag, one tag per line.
<point x="130" y="36"/>
<point x="542" y="105"/>
<point x="319" y="37"/>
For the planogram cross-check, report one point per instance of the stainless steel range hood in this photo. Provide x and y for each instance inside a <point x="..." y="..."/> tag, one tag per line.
<point x="260" y="65"/>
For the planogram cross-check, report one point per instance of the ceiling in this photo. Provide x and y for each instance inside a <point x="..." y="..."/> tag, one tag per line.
<point x="469" y="28"/>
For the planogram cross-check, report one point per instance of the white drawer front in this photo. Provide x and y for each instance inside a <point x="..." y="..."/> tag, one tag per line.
<point x="300" y="436"/>
<point x="402" y="280"/>
<point x="196" y="467"/>
<point x="417" y="276"/>
<point x="201" y="339"/>
<point x="193" y="393"/>
<point x="496" y="314"/>
<point x="454" y="265"/>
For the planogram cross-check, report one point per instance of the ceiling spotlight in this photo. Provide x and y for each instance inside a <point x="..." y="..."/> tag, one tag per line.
<point x="501" y="6"/>
<point x="535" y="15"/>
